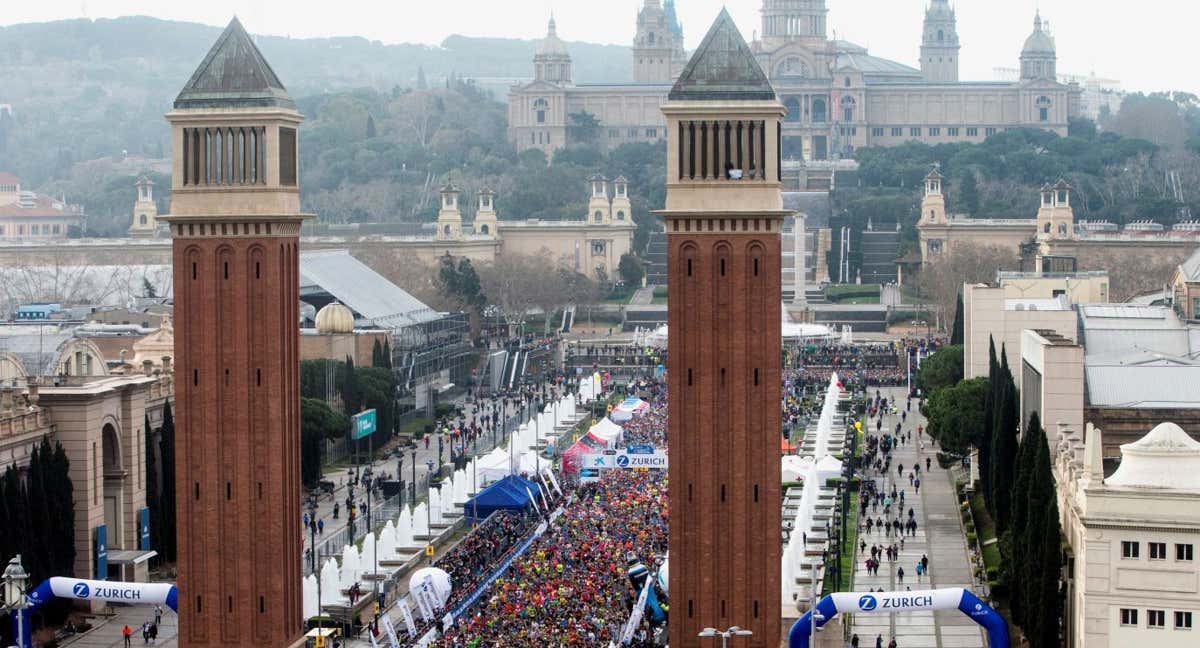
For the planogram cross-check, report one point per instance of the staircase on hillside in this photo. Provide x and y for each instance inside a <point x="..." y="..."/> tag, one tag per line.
<point x="656" y="259"/>
<point x="879" y="251"/>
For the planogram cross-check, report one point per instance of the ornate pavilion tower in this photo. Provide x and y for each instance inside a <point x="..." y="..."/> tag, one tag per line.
<point x="939" y="43"/>
<point x="723" y="217"/>
<point x="235" y="220"/>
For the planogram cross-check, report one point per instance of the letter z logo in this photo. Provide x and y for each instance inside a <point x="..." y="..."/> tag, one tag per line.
<point x="81" y="590"/>
<point x="867" y="603"/>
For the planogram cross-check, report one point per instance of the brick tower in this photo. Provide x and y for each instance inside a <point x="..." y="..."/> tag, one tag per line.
<point x="235" y="224"/>
<point x="723" y="217"/>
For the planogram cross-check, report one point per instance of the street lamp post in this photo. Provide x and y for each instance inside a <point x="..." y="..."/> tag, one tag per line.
<point x="368" y="475"/>
<point x="15" y="580"/>
<point x="413" y="499"/>
<point x="734" y="631"/>
<point x="312" y="529"/>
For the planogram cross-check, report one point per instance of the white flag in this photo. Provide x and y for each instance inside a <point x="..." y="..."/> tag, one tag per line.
<point x="409" y="624"/>
<point x="390" y="630"/>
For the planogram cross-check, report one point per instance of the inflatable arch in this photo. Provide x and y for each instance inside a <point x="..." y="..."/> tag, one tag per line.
<point x="889" y="602"/>
<point x="96" y="590"/>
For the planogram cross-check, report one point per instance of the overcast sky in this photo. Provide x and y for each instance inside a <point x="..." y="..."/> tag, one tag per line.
<point x="1133" y="42"/>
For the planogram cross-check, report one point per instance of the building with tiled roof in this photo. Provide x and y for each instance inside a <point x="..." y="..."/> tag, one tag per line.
<point x="30" y="215"/>
<point x="839" y="97"/>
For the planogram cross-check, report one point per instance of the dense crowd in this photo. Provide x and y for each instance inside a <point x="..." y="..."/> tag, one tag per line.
<point x="472" y="559"/>
<point x="570" y="587"/>
<point x="651" y="427"/>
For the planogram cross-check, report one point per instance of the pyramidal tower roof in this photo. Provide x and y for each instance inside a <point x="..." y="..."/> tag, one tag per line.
<point x="723" y="68"/>
<point x="234" y="74"/>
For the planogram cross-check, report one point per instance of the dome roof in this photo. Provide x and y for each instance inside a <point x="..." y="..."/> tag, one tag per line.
<point x="1165" y="458"/>
<point x="1039" y="42"/>
<point x="335" y="318"/>
<point x="552" y="45"/>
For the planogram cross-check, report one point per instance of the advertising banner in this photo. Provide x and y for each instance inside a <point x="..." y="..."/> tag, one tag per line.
<point x="364" y="424"/>
<point x="102" y="552"/>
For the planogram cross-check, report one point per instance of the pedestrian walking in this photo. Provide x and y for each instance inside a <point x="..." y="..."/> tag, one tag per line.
<point x="321" y="527"/>
<point x="127" y="632"/>
<point x="900" y="575"/>
<point x="158" y="612"/>
<point x="893" y="644"/>
<point x="145" y="633"/>
<point x="879" y="641"/>
<point x="920" y="570"/>
<point x="927" y="464"/>
<point x="854" y="641"/>
<point x="925" y="563"/>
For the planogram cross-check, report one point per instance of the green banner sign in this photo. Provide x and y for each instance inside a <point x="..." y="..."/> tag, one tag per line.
<point x="364" y="424"/>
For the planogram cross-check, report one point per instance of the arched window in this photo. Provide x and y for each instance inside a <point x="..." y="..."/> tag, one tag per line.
<point x="847" y="82"/>
<point x="1046" y="228"/>
<point x="650" y="38"/>
<point x="1043" y="106"/>
<point x="599" y="216"/>
<point x="793" y="108"/>
<point x="143" y="219"/>
<point x="1062" y="228"/>
<point x="483" y="229"/>
<point x="932" y="214"/>
<point x="847" y="109"/>
<point x="941" y="36"/>
<point x="446" y="230"/>
<point x="818" y="111"/>
<point x="792" y="66"/>
<point x="620" y="215"/>
<point x="540" y="106"/>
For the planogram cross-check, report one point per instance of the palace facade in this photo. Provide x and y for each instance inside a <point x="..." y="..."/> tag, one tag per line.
<point x="838" y="97"/>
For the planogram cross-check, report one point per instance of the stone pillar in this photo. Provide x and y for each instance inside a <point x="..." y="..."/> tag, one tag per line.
<point x="801" y="279"/>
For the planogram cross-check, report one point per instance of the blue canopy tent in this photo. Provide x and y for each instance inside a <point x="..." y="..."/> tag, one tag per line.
<point x="510" y="493"/>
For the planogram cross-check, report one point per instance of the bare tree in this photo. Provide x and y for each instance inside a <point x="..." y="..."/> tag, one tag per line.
<point x="1133" y="270"/>
<point x="942" y="278"/>
<point x="514" y="284"/>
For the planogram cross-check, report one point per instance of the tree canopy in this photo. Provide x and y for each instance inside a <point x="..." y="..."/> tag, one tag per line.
<point x="942" y="369"/>
<point x="956" y="415"/>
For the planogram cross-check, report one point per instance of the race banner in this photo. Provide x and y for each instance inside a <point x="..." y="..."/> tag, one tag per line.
<point x="554" y="481"/>
<point x="423" y="604"/>
<point x="390" y="630"/>
<point x="639" y="608"/>
<point x="409" y="625"/>
<point x="534" y="499"/>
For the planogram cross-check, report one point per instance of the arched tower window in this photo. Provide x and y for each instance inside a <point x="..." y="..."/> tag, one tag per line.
<point x="650" y="38"/>
<point x="941" y="36"/>
<point x="1062" y="228"/>
<point x="599" y="216"/>
<point x="143" y="219"/>
<point x="1046" y="228"/>
<point x="483" y="229"/>
<point x="621" y="215"/>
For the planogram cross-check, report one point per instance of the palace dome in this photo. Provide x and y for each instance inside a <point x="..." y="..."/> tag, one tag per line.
<point x="335" y="318"/>
<point x="552" y="45"/>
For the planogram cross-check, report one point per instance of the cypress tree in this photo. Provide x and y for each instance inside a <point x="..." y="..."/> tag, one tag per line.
<point x="1049" y="611"/>
<point x="64" y="503"/>
<point x="167" y="450"/>
<point x="1004" y="452"/>
<point x="350" y="394"/>
<point x="985" y="443"/>
<point x="956" y="334"/>
<point x="39" y="515"/>
<point x="153" y="487"/>
<point x="387" y="354"/>
<point x="1036" y="566"/>
<point x="376" y="354"/>
<point x="1026" y="456"/>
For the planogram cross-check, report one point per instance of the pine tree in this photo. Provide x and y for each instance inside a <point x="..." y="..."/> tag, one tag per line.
<point x="167" y="452"/>
<point x="956" y="335"/>
<point x="387" y="354"/>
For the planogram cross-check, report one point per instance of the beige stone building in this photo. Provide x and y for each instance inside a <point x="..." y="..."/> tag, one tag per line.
<point x="1053" y="232"/>
<point x="58" y="385"/>
<point x="837" y="95"/>
<point x="27" y="215"/>
<point x="1132" y="536"/>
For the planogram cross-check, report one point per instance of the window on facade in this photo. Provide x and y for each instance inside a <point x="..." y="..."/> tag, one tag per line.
<point x="847" y="114"/>
<point x="952" y="131"/>
<point x="599" y="216"/>
<point x="972" y="132"/>
<point x="988" y="132"/>
<point x="1043" y="114"/>
<point x="598" y="248"/>
<point x="620" y="215"/>
<point x="876" y="132"/>
<point x="1183" y="552"/>
<point x="1156" y="618"/>
<point x="1" y="230"/>
<point x="914" y="132"/>
<point x="847" y="83"/>
<point x="652" y="133"/>
<point x="540" y="106"/>
<point x="935" y="131"/>
<point x="1158" y="550"/>
<point x="792" y="104"/>
<point x="897" y="132"/>
<point x="632" y="133"/>
<point x="1129" y="617"/>
<point x="1062" y="229"/>
<point x="818" y="111"/>
<point x="614" y="133"/>
<point x="287" y="157"/>
<point x="1183" y="620"/>
<point x="1129" y="549"/>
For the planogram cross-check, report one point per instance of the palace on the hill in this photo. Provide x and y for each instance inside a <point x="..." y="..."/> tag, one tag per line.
<point x="838" y="97"/>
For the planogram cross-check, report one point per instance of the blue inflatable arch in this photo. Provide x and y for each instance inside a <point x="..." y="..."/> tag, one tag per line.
<point x="890" y="602"/>
<point x="95" y="590"/>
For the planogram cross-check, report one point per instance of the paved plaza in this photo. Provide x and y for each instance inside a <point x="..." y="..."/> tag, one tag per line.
<point x="939" y="535"/>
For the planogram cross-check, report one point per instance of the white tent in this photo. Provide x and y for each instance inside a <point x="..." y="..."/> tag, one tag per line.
<point x="794" y="467"/>
<point x="608" y="432"/>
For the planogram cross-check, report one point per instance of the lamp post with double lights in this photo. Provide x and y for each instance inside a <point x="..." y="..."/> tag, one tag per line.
<point x="15" y="580"/>
<point x="312" y="529"/>
<point x="733" y="631"/>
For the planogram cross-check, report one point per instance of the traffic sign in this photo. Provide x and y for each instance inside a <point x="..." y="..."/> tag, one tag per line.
<point x="429" y="551"/>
